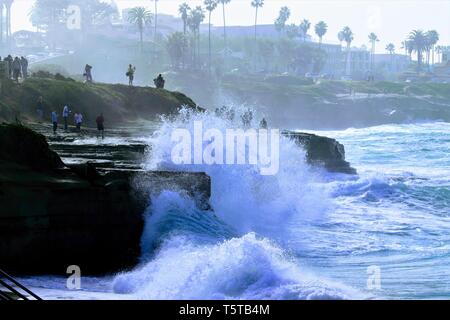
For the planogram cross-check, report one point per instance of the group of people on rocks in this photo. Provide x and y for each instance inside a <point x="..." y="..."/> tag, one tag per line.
<point x="77" y="118"/>
<point x="247" y="117"/>
<point x="66" y="112"/>
<point x="16" y="67"/>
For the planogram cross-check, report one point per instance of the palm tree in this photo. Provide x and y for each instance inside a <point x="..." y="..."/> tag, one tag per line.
<point x="347" y="36"/>
<point x="391" y="49"/>
<point x="405" y="45"/>
<point x="195" y="18"/>
<point x="210" y="6"/>
<point x="373" y="38"/>
<point x="141" y="17"/>
<point x="224" y="2"/>
<point x="292" y="31"/>
<point x="156" y="19"/>
<point x="304" y="26"/>
<point x="418" y="41"/>
<point x="321" y="29"/>
<point x="183" y="9"/>
<point x="176" y="47"/>
<point x="280" y="22"/>
<point x="433" y="38"/>
<point x="256" y="4"/>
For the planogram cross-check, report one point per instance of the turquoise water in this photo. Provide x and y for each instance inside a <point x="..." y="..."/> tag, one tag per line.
<point x="395" y="216"/>
<point x="303" y="234"/>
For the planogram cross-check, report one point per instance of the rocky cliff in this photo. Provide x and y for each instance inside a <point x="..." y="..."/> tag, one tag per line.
<point x="53" y="216"/>
<point x="322" y="151"/>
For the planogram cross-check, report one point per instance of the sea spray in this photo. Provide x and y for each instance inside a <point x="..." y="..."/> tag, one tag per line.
<point x="240" y="195"/>
<point x="226" y="253"/>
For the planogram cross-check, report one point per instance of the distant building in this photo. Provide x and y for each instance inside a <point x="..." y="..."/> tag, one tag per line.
<point x="333" y="66"/>
<point x="446" y="55"/>
<point x="262" y="30"/>
<point x="359" y="65"/>
<point x="167" y="24"/>
<point x="392" y="63"/>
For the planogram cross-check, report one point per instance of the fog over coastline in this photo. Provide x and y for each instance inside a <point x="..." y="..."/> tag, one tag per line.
<point x="381" y="17"/>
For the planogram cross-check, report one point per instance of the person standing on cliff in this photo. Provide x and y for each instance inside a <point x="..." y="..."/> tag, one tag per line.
<point x="159" y="82"/>
<point x="54" y="121"/>
<point x="17" y="67"/>
<point x="130" y="74"/>
<point x="66" y="113"/>
<point x="24" y="64"/>
<point x="88" y="73"/>
<point x="263" y="124"/>
<point x="100" y="121"/>
<point x="78" y="121"/>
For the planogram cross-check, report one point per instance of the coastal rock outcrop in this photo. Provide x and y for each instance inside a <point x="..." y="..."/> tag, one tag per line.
<point x="322" y="151"/>
<point x="53" y="216"/>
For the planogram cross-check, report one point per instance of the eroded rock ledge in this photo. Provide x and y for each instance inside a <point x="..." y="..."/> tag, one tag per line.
<point x="322" y="151"/>
<point x="53" y="216"/>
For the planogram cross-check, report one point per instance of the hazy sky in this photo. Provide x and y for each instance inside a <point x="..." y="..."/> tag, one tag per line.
<point x="391" y="20"/>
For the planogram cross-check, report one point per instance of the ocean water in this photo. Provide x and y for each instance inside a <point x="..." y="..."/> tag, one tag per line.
<point x="302" y="234"/>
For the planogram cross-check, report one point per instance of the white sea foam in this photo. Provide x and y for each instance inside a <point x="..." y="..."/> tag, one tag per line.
<point x="191" y="255"/>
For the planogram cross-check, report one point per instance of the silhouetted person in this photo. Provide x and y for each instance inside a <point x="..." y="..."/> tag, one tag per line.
<point x="88" y="73"/>
<point x="263" y="124"/>
<point x="159" y="82"/>
<point x="100" y="121"/>
<point x="24" y="64"/>
<point x="230" y="114"/>
<point x="130" y="74"/>
<point x="54" y="121"/>
<point x="78" y="121"/>
<point x="247" y="118"/>
<point x="16" y="66"/>
<point x="65" y="114"/>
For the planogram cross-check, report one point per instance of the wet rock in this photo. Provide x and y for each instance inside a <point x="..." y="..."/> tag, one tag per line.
<point x="53" y="216"/>
<point x="322" y="151"/>
<point x="25" y="147"/>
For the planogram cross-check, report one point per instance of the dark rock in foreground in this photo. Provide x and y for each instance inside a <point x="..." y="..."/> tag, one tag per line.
<point x="322" y="151"/>
<point x="53" y="216"/>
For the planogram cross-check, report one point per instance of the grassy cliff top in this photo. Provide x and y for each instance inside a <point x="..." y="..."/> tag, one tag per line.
<point x="119" y="103"/>
<point x="298" y="86"/>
